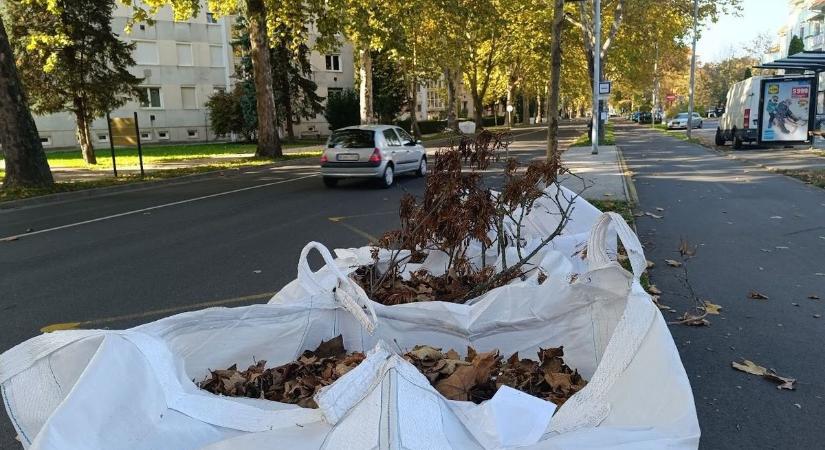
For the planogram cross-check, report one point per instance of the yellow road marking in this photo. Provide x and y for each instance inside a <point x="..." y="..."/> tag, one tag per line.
<point x="155" y="312"/>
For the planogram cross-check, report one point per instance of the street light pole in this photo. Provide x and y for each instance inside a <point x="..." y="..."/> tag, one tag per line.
<point x="693" y="67"/>
<point x="597" y="55"/>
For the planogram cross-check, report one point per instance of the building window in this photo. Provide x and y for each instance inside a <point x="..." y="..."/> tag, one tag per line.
<point x="146" y="52"/>
<point x="152" y="98"/>
<point x="145" y="135"/>
<point x="210" y="18"/>
<point x="163" y="135"/>
<point x="46" y="141"/>
<point x="216" y="56"/>
<point x="219" y="89"/>
<point x="184" y="54"/>
<point x="187" y="96"/>
<point x="192" y="134"/>
<point x="102" y="138"/>
<point x="434" y="99"/>
<point x="333" y="63"/>
<point x="334" y="91"/>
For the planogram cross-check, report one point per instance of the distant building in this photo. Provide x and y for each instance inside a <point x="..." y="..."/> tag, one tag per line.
<point x="183" y="64"/>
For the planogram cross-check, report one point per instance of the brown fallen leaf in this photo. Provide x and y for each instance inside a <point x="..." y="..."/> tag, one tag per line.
<point x="813" y="297"/>
<point x="661" y="306"/>
<point x="650" y="264"/>
<point x="685" y="249"/>
<point x="652" y="289"/>
<point x="691" y="320"/>
<point x="712" y="308"/>
<point x="756" y="295"/>
<point x="457" y="386"/>
<point x="673" y="263"/>
<point x="769" y="374"/>
<point x="655" y="216"/>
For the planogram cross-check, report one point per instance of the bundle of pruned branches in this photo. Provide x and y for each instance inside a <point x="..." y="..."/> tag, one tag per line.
<point x="460" y="210"/>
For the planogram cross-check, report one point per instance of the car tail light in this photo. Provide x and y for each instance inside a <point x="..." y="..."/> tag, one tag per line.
<point x="375" y="158"/>
<point x="747" y="117"/>
<point x="324" y="158"/>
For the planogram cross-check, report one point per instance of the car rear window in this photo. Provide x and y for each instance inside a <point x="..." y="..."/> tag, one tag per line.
<point x="352" y="139"/>
<point x="681" y="116"/>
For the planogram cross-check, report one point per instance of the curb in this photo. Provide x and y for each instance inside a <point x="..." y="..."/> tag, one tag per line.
<point x="627" y="175"/>
<point x="81" y="194"/>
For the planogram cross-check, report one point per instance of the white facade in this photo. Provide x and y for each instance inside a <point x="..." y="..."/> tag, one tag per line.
<point x="183" y="64"/>
<point x="432" y="100"/>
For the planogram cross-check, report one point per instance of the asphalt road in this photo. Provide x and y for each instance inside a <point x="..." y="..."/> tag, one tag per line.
<point x="120" y="260"/>
<point x="755" y="230"/>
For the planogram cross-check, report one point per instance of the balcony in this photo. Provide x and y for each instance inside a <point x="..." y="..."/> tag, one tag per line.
<point x="814" y="42"/>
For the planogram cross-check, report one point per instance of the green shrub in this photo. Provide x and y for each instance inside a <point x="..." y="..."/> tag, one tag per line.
<point x="491" y="121"/>
<point x="342" y="109"/>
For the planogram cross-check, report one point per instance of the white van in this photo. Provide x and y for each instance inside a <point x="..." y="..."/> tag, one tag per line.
<point x="740" y="122"/>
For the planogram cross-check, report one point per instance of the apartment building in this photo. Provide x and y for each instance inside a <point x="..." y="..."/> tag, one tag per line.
<point x="432" y="100"/>
<point x="806" y="20"/>
<point x="183" y="63"/>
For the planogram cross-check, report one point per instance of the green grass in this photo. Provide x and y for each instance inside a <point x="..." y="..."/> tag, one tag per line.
<point x="125" y="157"/>
<point x="584" y="139"/>
<point x="20" y="193"/>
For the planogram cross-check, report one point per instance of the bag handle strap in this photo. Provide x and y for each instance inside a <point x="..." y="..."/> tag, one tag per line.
<point x="597" y="244"/>
<point x="347" y="292"/>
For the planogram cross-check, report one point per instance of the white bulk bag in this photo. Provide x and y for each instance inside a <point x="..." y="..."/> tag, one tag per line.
<point x="133" y="389"/>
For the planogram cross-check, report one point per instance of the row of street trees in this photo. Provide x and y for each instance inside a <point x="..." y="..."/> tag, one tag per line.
<point x="499" y="49"/>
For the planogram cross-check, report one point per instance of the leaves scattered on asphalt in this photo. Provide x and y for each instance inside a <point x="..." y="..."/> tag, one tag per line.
<point x="685" y="249"/>
<point x="650" y="264"/>
<point x="652" y="289"/>
<point x="813" y="297"/>
<point x="752" y="368"/>
<point x="475" y="378"/>
<point x="712" y="308"/>
<point x="655" y="216"/>
<point x="673" y="263"/>
<point x="757" y="295"/>
<point x="691" y="320"/>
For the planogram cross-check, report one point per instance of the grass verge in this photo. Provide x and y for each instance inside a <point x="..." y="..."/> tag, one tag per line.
<point x="21" y="193"/>
<point x="128" y="157"/>
<point x="584" y="139"/>
<point x="815" y="177"/>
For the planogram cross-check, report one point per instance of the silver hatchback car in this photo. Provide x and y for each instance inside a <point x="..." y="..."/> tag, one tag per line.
<point x="372" y="151"/>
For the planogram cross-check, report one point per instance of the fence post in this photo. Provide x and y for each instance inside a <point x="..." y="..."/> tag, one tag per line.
<point x="111" y="143"/>
<point x="140" y="149"/>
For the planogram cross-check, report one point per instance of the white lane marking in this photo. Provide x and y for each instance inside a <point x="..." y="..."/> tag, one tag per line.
<point x="151" y="208"/>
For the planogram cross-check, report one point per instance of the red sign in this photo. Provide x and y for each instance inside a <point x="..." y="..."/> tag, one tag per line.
<point x="799" y="92"/>
<point x="671" y="97"/>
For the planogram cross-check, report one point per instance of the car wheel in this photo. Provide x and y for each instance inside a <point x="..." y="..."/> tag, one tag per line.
<point x="422" y="167"/>
<point x="330" y="182"/>
<point x="700" y="125"/>
<point x="720" y="140"/>
<point x="388" y="178"/>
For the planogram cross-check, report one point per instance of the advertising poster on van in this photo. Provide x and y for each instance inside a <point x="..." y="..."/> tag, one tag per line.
<point x="786" y="109"/>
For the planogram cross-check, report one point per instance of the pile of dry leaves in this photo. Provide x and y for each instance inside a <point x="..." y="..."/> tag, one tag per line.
<point x="295" y="382"/>
<point x="474" y="378"/>
<point x="421" y="286"/>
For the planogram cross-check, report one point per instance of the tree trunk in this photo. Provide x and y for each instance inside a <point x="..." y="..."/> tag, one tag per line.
<point x="478" y="110"/>
<point x="539" y="111"/>
<point x="511" y="100"/>
<point x="525" y="108"/>
<point x="84" y="137"/>
<point x="553" y="153"/>
<point x="26" y="164"/>
<point x="416" y="131"/>
<point x="452" y="120"/>
<point x="290" y="132"/>
<point x="269" y="143"/>
<point x="365" y="88"/>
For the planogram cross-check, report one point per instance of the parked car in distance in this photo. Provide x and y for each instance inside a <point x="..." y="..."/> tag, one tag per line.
<point x="681" y="121"/>
<point x="371" y="151"/>
<point x="635" y="116"/>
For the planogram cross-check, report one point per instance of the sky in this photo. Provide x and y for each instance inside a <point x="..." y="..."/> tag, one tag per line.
<point x="726" y="36"/>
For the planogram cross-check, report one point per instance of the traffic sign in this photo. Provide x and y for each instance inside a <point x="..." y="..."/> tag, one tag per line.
<point x="605" y="87"/>
<point x="671" y="97"/>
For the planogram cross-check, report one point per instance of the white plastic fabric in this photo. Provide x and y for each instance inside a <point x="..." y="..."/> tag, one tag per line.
<point x="133" y="389"/>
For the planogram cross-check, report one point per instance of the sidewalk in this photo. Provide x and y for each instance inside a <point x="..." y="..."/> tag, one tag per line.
<point x="602" y="175"/>
<point x="779" y="159"/>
